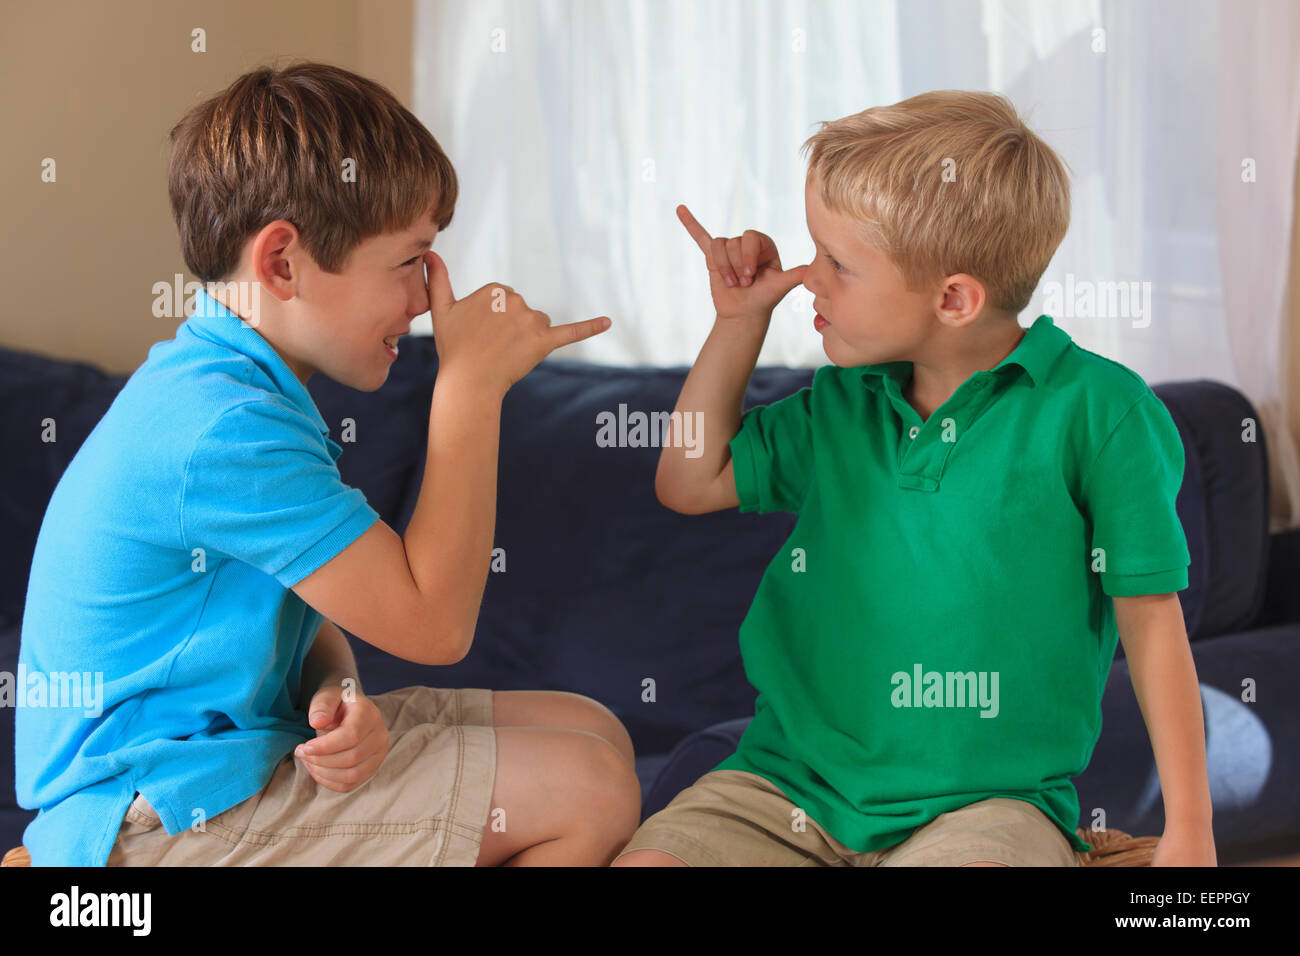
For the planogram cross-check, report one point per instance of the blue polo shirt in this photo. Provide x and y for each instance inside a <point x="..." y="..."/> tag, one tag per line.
<point x="161" y="577"/>
<point x="939" y="627"/>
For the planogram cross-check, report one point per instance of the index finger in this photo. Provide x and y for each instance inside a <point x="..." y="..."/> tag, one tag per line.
<point x="577" y="331"/>
<point x="698" y="232"/>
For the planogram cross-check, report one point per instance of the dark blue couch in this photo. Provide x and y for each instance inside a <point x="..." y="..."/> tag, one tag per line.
<point x="604" y="587"/>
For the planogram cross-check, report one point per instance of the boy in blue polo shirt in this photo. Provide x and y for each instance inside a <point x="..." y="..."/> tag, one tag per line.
<point x="200" y="553"/>
<point x="983" y="511"/>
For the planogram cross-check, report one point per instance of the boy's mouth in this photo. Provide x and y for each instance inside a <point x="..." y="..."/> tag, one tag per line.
<point x="819" y="322"/>
<point x="391" y="340"/>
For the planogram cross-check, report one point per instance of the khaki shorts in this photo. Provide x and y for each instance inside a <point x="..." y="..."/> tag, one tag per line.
<point x="426" y="805"/>
<point x="734" y="818"/>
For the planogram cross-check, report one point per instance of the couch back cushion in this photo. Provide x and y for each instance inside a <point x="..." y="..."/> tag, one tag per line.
<point x="47" y="409"/>
<point x="604" y="591"/>
<point x="1223" y="505"/>
<point x="600" y="589"/>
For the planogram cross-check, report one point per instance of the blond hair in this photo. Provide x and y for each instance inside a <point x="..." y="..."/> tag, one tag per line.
<point x="945" y="182"/>
<point x="275" y="145"/>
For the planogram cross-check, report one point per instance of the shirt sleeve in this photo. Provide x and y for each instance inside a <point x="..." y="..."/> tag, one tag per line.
<point x="772" y="454"/>
<point x="1129" y="494"/>
<point x="262" y="487"/>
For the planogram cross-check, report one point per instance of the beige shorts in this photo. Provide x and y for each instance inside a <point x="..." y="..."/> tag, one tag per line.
<point x="426" y="805"/>
<point x="734" y="818"/>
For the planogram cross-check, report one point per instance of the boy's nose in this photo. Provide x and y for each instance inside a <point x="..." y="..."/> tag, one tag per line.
<point x="810" y="279"/>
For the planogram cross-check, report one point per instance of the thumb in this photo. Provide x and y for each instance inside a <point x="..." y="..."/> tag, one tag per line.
<point x="440" y="295"/>
<point x="324" y="705"/>
<point x="783" y="282"/>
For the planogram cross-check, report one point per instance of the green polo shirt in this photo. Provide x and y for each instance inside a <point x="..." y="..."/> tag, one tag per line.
<point x="938" y="628"/>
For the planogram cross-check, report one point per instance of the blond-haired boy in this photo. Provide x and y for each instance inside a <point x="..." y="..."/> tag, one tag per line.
<point x="982" y="511"/>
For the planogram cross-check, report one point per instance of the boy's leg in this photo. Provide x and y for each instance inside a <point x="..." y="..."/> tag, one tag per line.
<point x="568" y="796"/>
<point x="552" y="708"/>
<point x="425" y="805"/>
<point x="574" y="806"/>
<point x="731" y="818"/>
<point x="999" y="831"/>
<point x="648" y="858"/>
<point x="561" y="798"/>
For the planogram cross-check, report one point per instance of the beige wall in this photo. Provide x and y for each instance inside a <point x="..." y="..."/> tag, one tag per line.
<point x="96" y="86"/>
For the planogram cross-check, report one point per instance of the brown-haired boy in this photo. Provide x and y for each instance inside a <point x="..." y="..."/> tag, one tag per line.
<point x="202" y="553"/>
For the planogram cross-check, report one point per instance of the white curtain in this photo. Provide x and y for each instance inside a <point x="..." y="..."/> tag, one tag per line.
<point x="577" y="126"/>
<point x="1259" y="114"/>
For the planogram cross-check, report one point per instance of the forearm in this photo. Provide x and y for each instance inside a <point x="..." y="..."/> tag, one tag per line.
<point x="329" y="661"/>
<point x="714" y="392"/>
<point x="449" y="538"/>
<point x="1164" y="681"/>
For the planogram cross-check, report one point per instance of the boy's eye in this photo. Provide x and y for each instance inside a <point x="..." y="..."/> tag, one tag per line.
<point x="837" y="267"/>
<point x="411" y="262"/>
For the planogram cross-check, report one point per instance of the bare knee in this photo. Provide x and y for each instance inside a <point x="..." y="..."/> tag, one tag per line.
<point x="605" y="723"/>
<point x="611" y="806"/>
<point x="602" y="806"/>
<point x="571" y="789"/>
<point x="562" y="709"/>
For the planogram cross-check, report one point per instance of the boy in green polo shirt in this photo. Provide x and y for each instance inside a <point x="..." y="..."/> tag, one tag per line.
<point x="983" y="511"/>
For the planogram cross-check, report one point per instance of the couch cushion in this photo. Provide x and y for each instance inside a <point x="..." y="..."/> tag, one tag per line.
<point x="34" y="388"/>
<point x="1223" y="505"/>
<point x="381" y="431"/>
<point x="604" y="590"/>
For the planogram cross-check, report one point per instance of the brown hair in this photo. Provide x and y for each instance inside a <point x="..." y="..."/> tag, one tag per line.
<point x="998" y="215"/>
<point x="273" y="146"/>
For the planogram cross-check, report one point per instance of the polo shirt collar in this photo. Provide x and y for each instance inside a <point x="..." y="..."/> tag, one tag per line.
<point x="1042" y="344"/>
<point x="216" y="323"/>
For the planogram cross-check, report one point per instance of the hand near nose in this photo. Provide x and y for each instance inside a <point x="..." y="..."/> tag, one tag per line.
<point x="492" y="334"/>
<point x="745" y="275"/>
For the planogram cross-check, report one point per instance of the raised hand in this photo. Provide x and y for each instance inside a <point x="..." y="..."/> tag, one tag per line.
<point x="745" y="274"/>
<point x="492" y="334"/>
